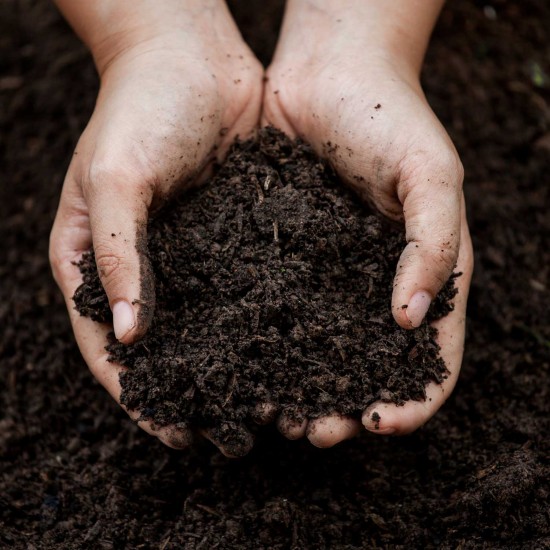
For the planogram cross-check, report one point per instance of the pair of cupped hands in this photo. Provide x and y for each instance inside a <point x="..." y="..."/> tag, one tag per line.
<point x="172" y="100"/>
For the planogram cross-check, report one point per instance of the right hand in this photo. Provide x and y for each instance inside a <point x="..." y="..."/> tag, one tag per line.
<point x="167" y="106"/>
<point x="357" y="99"/>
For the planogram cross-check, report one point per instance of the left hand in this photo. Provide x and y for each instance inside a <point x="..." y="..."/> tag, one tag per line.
<point x="363" y="109"/>
<point x="172" y="99"/>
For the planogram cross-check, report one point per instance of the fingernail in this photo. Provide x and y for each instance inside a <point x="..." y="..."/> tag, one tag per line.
<point x="418" y="307"/>
<point x="124" y="319"/>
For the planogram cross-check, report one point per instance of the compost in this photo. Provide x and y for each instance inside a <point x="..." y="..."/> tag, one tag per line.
<point x="75" y="472"/>
<point x="273" y="285"/>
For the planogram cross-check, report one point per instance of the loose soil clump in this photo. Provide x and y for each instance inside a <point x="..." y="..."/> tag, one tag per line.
<point x="273" y="285"/>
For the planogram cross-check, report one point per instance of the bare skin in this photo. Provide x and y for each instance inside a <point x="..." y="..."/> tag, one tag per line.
<point x="178" y="84"/>
<point x="169" y="103"/>
<point x="345" y="78"/>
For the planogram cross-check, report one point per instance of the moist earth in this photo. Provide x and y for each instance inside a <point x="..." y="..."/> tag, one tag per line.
<point x="273" y="285"/>
<point x="75" y="472"/>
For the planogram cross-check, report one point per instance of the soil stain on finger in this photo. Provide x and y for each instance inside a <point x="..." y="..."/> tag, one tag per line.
<point x="147" y="296"/>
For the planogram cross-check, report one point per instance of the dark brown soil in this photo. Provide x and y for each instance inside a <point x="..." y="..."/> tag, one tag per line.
<point x="273" y="285"/>
<point x="76" y="473"/>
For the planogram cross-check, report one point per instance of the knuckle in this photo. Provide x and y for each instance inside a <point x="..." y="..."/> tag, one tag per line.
<point x="443" y="169"/>
<point x="459" y="169"/>
<point x="54" y="258"/>
<point x="434" y="260"/>
<point x="449" y="167"/>
<point x="108" y="263"/>
<point x="106" y="174"/>
<point x="444" y="258"/>
<point x="57" y="268"/>
<point x="387" y="206"/>
<point x="59" y="263"/>
<point x="445" y="253"/>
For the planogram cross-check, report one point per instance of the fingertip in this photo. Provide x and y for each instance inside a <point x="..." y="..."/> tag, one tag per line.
<point x="264" y="413"/>
<point x="232" y="439"/>
<point x="400" y="315"/>
<point x="330" y="430"/>
<point x="391" y="419"/>
<point x="176" y="437"/>
<point x="374" y="422"/>
<point x="292" y="428"/>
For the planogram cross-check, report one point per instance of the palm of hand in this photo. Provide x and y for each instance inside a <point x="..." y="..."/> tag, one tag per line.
<point x="160" y="119"/>
<point x="377" y="130"/>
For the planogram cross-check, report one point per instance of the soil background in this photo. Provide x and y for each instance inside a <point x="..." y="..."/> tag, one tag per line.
<point x="75" y="472"/>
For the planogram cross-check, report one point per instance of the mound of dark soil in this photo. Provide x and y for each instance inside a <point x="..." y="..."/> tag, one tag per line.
<point x="273" y="284"/>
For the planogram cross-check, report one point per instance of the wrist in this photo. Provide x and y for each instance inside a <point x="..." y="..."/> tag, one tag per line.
<point x="396" y="32"/>
<point x="111" y="28"/>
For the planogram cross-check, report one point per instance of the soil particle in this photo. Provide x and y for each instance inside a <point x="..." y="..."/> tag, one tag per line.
<point x="273" y="285"/>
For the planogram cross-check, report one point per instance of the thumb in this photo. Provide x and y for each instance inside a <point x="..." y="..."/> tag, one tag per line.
<point x="118" y="212"/>
<point x="431" y="199"/>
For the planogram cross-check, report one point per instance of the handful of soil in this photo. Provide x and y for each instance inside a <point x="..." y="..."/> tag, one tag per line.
<point x="273" y="285"/>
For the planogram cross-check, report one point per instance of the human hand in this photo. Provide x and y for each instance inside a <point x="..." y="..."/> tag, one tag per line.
<point x="352" y="90"/>
<point x="177" y="86"/>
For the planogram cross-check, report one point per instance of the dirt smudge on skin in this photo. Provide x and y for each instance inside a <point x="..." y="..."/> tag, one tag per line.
<point x="147" y="297"/>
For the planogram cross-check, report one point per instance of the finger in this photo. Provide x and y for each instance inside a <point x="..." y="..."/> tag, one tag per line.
<point x="387" y="418"/>
<point x="291" y="427"/>
<point x="273" y="112"/>
<point x="431" y="199"/>
<point x="264" y="413"/>
<point x="92" y="338"/>
<point x="233" y="439"/>
<point x="118" y="209"/>
<point x="70" y="237"/>
<point x="329" y="430"/>
<point x="177" y="437"/>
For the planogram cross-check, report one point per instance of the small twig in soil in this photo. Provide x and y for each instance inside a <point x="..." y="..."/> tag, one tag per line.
<point x="369" y="290"/>
<point x="231" y="388"/>
<point x="340" y="348"/>
<point x="261" y="196"/>
<point x="258" y="338"/>
<point x="209" y="510"/>
<point x="276" y="232"/>
<point x="203" y="362"/>
<point x="192" y="535"/>
<point x="140" y="302"/>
